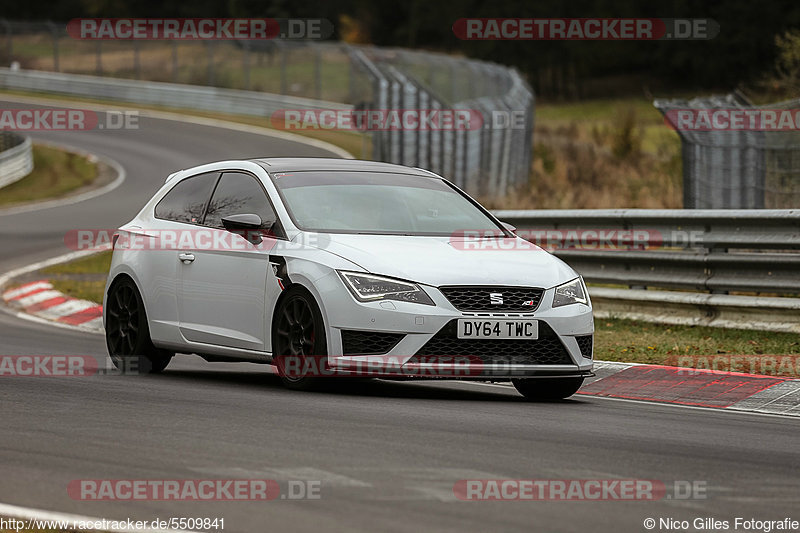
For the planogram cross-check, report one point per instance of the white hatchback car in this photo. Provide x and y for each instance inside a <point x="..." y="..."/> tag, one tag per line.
<point x="333" y="268"/>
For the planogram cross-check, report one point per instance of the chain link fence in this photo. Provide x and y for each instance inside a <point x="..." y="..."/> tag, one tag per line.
<point x="736" y="168"/>
<point x="491" y="160"/>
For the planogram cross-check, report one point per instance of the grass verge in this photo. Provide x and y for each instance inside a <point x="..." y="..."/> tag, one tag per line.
<point x="83" y="278"/>
<point x="633" y="341"/>
<point x="56" y="173"/>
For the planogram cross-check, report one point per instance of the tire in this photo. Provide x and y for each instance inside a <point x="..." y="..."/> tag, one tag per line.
<point x="547" y="389"/>
<point x="127" y="334"/>
<point x="299" y="344"/>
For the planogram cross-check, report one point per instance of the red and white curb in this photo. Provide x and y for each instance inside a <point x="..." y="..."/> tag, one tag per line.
<point x="630" y="381"/>
<point x="695" y="387"/>
<point x="39" y="299"/>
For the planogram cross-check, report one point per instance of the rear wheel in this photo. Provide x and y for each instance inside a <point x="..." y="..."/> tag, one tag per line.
<point x="127" y="335"/>
<point x="545" y="389"/>
<point x="298" y="341"/>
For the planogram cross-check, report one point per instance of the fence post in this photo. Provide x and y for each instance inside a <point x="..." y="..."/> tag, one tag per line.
<point x="54" y="33"/>
<point x="317" y="73"/>
<point x="283" y="68"/>
<point x="98" y="57"/>
<point x="246" y="63"/>
<point x="174" y="61"/>
<point x="210" y="50"/>
<point x="137" y="66"/>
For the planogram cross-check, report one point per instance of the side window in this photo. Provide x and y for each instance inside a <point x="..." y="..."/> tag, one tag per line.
<point x="187" y="200"/>
<point x="239" y="193"/>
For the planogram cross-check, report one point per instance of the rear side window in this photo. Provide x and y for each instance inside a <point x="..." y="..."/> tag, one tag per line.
<point x="187" y="200"/>
<point x="239" y="193"/>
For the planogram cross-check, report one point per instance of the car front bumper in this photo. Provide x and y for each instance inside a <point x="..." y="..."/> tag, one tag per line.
<point x="418" y="324"/>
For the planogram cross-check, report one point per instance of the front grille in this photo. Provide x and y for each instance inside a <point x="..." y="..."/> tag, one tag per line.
<point x="546" y="350"/>
<point x="517" y="299"/>
<point x="585" y="345"/>
<point x="368" y="342"/>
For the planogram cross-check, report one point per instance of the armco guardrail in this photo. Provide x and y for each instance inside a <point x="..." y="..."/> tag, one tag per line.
<point x="16" y="158"/>
<point x="717" y="251"/>
<point x="159" y="93"/>
<point x="713" y="251"/>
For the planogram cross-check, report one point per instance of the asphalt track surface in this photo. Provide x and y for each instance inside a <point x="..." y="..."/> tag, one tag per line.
<point x="387" y="453"/>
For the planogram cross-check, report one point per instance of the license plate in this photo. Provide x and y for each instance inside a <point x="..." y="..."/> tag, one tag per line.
<point x="497" y="329"/>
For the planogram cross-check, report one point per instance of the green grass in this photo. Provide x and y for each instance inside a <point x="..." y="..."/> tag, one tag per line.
<point x="603" y="114"/>
<point x="597" y="110"/>
<point x="56" y="173"/>
<point x="83" y="290"/>
<point x="99" y="263"/>
<point x="83" y="278"/>
<point x="643" y="342"/>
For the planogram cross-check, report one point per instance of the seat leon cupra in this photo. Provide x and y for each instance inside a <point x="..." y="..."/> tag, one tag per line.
<point x="330" y="269"/>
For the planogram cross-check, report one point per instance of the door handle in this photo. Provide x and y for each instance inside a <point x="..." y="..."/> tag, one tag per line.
<point x="186" y="258"/>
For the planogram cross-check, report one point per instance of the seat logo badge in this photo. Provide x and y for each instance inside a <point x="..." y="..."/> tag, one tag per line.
<point x="496" y="298"/>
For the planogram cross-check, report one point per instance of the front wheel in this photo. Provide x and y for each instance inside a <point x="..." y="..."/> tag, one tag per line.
<point x="127" y="335"/>
<point x="298" y="341"/>
<point x="547" y="389"/>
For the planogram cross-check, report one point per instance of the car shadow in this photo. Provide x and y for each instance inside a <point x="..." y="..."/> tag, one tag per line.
<point x="430" y="389"/>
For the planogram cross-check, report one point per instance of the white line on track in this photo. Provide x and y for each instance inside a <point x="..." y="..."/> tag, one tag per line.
<point x="28" y="513"/>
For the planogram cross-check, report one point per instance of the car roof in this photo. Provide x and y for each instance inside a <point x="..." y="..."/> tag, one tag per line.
<point x="299" y="164"/>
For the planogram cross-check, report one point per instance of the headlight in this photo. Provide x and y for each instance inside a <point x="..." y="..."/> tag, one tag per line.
<point x="370" y="288"/>
<point x="571" y="292"/>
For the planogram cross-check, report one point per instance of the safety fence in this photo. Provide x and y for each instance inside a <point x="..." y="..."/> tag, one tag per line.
<point x="490" y="157"/>
<point x="16" y="158"/>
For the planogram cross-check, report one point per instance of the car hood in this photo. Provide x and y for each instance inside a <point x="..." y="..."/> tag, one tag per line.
<point x="451" y="260"/>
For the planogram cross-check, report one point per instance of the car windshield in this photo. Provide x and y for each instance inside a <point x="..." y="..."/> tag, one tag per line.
<point x="378" y="203"/>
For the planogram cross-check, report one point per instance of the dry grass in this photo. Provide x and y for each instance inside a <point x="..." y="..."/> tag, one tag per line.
<point x="613" y="156"/>
<point x="118" y="59"/>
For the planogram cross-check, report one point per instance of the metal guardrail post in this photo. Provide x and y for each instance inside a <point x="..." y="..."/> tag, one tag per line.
<point x="98" y="50"/>
<point x="716" y="251"/>
<point x="54" y="34"/>
<point x="174" y="61"/>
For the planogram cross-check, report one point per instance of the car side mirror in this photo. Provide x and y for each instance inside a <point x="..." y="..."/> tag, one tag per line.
<point x="245" y="224"/>
<point x="509" y="227"/>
